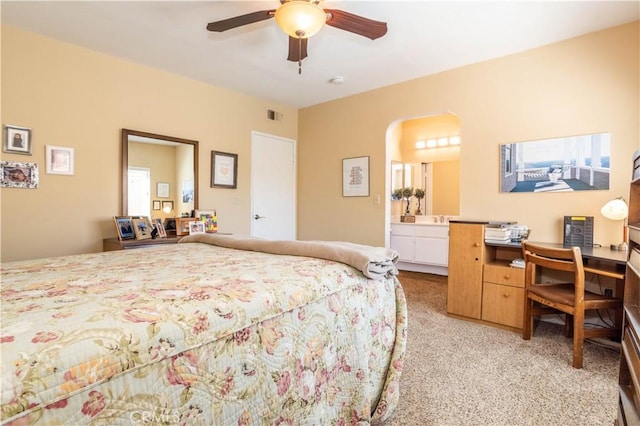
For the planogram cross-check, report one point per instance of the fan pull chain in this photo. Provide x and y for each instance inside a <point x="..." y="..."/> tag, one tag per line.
<point x="299" y="55"/>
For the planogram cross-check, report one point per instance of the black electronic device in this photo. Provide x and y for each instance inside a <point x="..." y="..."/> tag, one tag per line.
<point x="578" y="231"/>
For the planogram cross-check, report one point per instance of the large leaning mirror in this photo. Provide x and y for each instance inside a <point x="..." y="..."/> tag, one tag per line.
<point x="159" y="175"/>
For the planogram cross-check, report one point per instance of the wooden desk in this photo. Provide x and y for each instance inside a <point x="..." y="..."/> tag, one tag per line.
<point x="598" y="260"/>
<point x="482" y="286"/>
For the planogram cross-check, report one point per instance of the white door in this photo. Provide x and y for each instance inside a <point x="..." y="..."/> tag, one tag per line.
<point x="139" y="193"/>
<point x="273" y="187"/>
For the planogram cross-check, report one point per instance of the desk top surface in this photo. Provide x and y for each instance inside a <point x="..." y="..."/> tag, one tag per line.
<point x="595" y="253"/>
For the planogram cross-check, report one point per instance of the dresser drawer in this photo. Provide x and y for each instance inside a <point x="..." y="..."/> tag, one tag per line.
<point x="503" y="304"/>
<point x="499" y="274"/>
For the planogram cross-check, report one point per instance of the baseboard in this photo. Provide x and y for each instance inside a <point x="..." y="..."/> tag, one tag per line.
<point x="427" y="269"/>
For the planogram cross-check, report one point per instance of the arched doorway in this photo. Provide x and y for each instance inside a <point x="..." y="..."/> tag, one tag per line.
<point x="425" y="152"/>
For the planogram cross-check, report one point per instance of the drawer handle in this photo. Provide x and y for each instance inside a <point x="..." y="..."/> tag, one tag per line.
<point x="505" y="295"/>
<point x="476" y="245"/>
<point x="506" y="277"/>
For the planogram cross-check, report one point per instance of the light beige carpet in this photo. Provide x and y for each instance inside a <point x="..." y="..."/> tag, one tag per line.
<point x="461" y="373"/>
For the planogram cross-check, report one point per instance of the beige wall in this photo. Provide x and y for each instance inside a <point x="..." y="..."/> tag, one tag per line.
<point x="446" y="188"/>
<point x="74" y="97"/>
<point x="584" y="85"/>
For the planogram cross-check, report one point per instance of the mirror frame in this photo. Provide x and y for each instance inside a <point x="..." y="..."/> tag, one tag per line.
<point x="125" y="163"/>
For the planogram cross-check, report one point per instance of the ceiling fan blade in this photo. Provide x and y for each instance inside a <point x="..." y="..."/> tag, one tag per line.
<point x="297" y="49"/>
<point x="238" y="21"/>
<point x="356" y="24"/>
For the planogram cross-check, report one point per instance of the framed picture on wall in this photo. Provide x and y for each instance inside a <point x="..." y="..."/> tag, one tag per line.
<point x="162" y="190"/>
<point x="59" y="160"/>
<point x="156" y="204"/>
<point x="17" y="140"/>
<point x="562" y="164"/>
<point x="16" y="174"/>
<point x="167" y="206"/>
<point x="355" y="177"/>
<point x="224" y="170"/>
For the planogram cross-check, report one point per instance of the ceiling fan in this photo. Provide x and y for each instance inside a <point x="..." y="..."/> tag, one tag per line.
<point x="301" y="19"/>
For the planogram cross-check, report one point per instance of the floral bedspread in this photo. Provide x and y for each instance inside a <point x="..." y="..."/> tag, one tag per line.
<point x="194" y="334"/>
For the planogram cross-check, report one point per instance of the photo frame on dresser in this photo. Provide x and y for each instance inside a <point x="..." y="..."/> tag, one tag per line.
<point x="124" y="227"/>
<point x="157" y="223"/>
<point x="210" y="220"/>
<point x="196" y="227"/>
<point x="142" y="228"/>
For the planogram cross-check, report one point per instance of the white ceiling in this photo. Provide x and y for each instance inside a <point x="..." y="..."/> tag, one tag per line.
<point x="424" y="37"/>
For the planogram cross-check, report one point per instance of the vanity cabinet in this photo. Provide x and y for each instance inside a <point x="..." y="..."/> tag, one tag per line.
<point x="481" y="284"/>
<point x="421" y="247"/>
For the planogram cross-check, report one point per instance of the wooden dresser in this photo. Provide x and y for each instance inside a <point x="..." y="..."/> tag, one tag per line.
<point x="629" y="379"/>
<point x="111" y="244"/>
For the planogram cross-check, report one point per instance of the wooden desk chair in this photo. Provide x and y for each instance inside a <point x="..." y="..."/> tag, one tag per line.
<point x="569" y="298"/>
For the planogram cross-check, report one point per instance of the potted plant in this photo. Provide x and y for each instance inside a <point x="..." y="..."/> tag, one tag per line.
<point x="419" y="194"/>
<point x="397" y="194"/>
<point x="407" y="193"/>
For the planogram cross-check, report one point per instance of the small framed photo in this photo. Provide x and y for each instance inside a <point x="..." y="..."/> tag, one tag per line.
<point x="167" y="206"/>
<point x="224" y="170"/>
<point x="355" y="177"/>
<point x="170" y="224"/>
<point x="124" y="226"/>
<point x="59" y="160"/>
<point x="156" y="204"/>
<point x="196" y="227"/>
<point x="210" y="220"/>
<point x="142" y="228"/>
<point x="17" y="140"/>
<point x="162" y="190"/>
<point x="16" y="174"/>
<point x="157" y="223"/>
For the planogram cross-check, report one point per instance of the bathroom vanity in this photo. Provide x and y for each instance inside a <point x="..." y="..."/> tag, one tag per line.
<point x="422" y="246"/>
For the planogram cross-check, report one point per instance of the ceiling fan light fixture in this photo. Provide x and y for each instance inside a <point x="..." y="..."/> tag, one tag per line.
<point x="300" y="18"/>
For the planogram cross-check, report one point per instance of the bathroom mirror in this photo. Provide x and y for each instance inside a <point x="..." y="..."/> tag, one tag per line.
<point x="159" y="175"/>
<point x="404" y="175"/>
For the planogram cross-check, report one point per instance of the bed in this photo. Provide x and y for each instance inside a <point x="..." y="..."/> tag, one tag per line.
<point x="212" y="331"/>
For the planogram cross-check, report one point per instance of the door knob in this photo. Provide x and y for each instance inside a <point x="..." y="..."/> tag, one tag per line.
<point x="256" y="217"/>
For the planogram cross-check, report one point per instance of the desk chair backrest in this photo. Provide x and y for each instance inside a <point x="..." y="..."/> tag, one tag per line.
<point x="537" y="258"/>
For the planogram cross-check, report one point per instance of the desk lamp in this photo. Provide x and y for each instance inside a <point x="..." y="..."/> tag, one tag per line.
<point x="617" y="209"/>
